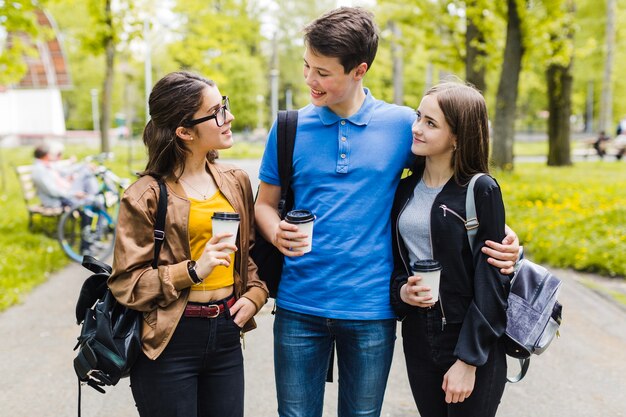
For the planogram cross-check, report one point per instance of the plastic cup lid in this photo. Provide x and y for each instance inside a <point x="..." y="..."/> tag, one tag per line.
<point x="299" y="216"/>
<point x="218" y="215"/>
<point x="426" y="265"/>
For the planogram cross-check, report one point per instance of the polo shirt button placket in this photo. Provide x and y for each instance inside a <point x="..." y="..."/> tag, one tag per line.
<point x="342" y="162"/>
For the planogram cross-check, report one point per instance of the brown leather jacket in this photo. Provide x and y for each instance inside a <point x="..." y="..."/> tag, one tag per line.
<point x="161" y="294"/>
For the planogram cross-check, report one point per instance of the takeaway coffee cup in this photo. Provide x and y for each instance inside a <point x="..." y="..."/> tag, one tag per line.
<point x="226" y="223"/>
<point x="304" y="220"/>
<point x="430" y="271"/>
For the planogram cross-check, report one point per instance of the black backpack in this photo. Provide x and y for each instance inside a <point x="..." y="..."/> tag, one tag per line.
<point x="268" y="259"/>
<point x="110" y="336"/>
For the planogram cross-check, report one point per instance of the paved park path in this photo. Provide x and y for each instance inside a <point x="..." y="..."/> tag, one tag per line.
<point x="583" y="374"/>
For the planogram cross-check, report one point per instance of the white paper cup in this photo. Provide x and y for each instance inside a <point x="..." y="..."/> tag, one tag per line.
<point x="226" y="223"/>
<point x="304" y="219"/>
<point x="430" y="271"/>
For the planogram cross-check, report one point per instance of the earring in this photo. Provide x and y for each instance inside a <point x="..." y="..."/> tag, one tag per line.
<point x="454" y="148"/>
<point x="191" y="137"/>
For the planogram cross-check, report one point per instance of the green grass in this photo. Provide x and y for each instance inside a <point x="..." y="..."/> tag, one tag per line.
<point x="540" y="148"/>
<point x="530" y="148"/>
<point x="572" y="217"/>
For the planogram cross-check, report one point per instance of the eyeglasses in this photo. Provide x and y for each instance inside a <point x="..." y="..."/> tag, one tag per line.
<point x="219" y="115"/>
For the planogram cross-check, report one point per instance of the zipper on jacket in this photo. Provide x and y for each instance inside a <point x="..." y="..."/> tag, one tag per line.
<point x="469" y="223"/>
<point x="443" y="314"/>
<point x="404" y="261"/>
<point x="447" y="209"/>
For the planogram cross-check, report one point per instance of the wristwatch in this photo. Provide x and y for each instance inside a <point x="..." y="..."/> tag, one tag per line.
<point x="191" y="269"/>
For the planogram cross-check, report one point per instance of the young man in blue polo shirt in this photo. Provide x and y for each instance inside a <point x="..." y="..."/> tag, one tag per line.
<point x="349" y="154"/>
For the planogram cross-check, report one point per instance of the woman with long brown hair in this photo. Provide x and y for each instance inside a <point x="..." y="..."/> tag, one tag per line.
<point x="204" y="293"/>
<point x="453" y="347"/>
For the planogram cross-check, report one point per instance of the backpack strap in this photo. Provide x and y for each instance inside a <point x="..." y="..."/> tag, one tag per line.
<point x="287" y="125"/>
<point x="471" y="222"/>
<point x="471" y="225"/>
<point x="159" y="225"/>
<point x="523" y="364"/>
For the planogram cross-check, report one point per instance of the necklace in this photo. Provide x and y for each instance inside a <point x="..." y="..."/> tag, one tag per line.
<point x="203" y="194"/>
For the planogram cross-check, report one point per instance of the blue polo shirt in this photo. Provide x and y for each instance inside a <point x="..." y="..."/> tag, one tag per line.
<point x="346" y="171"/>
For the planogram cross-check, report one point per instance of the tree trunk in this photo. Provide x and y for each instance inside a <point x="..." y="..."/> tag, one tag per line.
<point x="560" y="82"/>
<point x="474" y="54"/>
<point x="506" y="98"/>
<point x="107" y="89"/>
<point x="398" y="69"/>
<point x="606" y="101"/>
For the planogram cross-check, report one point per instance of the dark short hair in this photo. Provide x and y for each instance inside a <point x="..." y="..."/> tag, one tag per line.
<point x="41" y="151"/>
<point x="465" y="111"/>
<point x="174" y="99"/>
<point x="347" y="33"/>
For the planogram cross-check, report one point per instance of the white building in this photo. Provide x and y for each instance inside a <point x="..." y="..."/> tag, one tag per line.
<point x="32" y="109"/>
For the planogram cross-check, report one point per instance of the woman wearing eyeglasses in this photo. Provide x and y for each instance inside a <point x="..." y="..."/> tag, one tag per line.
<point x="201" y="298"/>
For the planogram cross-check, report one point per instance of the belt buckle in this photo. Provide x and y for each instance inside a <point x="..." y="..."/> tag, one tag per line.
<point x="210" y="306"/>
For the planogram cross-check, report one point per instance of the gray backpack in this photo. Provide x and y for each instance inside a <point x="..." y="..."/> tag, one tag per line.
<point x="533" y="313"/>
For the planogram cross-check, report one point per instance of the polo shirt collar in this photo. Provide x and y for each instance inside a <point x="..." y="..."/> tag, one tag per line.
<point x="360" y="118"/>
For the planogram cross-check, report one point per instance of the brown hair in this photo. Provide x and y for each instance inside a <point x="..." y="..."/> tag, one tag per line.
<point x="174" y="99"/>
<point x="347" y="33"/>
<point x="465" y="111"/>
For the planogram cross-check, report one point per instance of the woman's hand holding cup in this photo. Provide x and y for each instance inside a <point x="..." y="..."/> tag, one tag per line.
<point x="215" y="253"/>
<point x="410" y="293"/>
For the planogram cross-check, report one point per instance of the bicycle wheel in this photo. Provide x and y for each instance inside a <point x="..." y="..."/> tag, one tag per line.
<point x="85" y="230"/>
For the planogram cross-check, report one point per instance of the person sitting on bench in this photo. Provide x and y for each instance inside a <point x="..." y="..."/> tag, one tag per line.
<point x="57" y="186"/>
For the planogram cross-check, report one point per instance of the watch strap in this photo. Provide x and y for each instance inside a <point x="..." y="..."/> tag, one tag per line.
<point x="191" y="269"/>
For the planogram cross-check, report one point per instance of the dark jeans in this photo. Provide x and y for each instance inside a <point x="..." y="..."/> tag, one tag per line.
<point x="429" y="354"/>
<point x="199" y="374"/>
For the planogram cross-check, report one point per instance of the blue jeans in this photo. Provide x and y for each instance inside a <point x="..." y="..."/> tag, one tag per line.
<point x="302" y="351"/>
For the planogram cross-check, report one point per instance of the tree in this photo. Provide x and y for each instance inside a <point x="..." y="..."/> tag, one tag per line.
<point x="110" y="26"/>
<point x="17" y="17"/>
<point x="220" y="40"/>
<point x="606" y="103"/>
<point x="506" y="98"/>
<point x="475" y="47"/>
<point x="560" y="81"/>
<point x="293" y="16"/>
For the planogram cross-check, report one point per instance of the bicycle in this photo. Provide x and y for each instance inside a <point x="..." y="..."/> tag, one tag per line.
<point x="88" y="228"/>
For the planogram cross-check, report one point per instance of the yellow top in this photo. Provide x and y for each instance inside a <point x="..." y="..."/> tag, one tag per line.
<point x="200" y="231"/>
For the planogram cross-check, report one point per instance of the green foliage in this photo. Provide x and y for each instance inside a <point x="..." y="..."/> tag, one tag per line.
<point x="18" y="17"/>
<point x="227" y="50"/>
<point x="570" y="216"/>
<point x="225" y="40"/>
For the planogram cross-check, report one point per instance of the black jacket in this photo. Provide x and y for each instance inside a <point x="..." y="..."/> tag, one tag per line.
<point x="471" y="292"/>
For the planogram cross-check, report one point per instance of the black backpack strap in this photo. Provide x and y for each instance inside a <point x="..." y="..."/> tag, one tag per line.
<point x="287" y="124"/>
<point x="159" y="226"/>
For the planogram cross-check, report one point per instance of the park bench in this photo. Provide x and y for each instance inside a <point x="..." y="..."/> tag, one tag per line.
<point x="29" y="193"/>
<point x="585" y="149"/>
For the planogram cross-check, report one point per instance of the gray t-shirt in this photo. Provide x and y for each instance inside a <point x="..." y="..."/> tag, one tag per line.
<point x="414" y="222"/>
